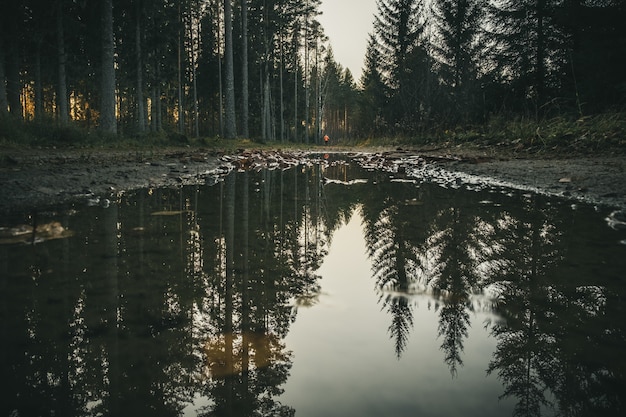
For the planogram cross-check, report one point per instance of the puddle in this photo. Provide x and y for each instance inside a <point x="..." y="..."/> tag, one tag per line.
<point x="323" y="288"/>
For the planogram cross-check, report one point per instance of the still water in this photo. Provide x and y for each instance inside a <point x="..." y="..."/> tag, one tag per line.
<point x="323" y="290"/>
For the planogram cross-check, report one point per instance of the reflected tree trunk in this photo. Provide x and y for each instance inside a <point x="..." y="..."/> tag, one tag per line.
<point x="229" y="290"/>
<point x="110" y="266"/>
<point x="245" y="284"/>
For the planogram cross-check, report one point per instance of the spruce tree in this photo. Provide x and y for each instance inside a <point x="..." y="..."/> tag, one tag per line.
<point x="398" y="28"/>
<point x="373" y="98"/>
<point x="457" y="47"/>
<point x="528" y="46"/>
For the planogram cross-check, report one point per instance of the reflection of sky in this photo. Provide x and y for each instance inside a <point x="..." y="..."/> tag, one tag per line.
<point x="345" y="363"/>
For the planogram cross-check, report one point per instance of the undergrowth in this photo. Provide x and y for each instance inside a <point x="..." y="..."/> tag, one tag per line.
<point x="600" y="133"/>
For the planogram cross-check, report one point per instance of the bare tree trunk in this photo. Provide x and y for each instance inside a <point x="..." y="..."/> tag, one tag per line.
<point x="13" y="80"/>
<point x="219" y="71"/>
<point x="244" y="70"/>
<point x="153" y="106"/>
<point x="141" y="122"/>
<point x="108" y="121"/>
<point x="38" y="83"/>
<point x="4" y="105"/>
<point x="61" y="99"/>
<point x="306" y="77"/>
<point x="196" y="112"/>
<point x="282" y="102"/>
<point x="181" y="118"/>
<point x="231" y="125"/>
<point x="267" y="114"/>
<point x="295" y="94"/>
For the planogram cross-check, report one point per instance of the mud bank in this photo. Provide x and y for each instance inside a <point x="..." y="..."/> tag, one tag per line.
<point x="37" y="179"/>
<point x="600" y="181"/>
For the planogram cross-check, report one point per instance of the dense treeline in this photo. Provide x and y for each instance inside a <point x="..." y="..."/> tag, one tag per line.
<point x="264" y="69"/>
<point x="444" y="63"/>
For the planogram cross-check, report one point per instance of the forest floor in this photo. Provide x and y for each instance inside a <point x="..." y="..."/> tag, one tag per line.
<point x="33" y="179"/>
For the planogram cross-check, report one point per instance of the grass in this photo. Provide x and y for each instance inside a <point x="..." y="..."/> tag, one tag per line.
<point x="601" y="133"/>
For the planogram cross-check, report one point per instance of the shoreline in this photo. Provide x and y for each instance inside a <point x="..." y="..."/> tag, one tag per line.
<point x="44" y="178"/>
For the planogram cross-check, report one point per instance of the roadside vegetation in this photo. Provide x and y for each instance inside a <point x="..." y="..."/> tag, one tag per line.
<point x="604" y="134"/>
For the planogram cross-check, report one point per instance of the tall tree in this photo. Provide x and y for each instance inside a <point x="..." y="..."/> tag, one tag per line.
<point x="230" y="128"/>
<point x="108" y="121"/>
<point x="141" y="122"/>
<point x="404" y="63"/>
<point x="244" y="70"/>
<point x="61" y="98"/>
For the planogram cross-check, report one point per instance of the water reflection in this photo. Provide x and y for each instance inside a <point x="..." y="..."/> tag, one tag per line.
<point x="179" y="301"/>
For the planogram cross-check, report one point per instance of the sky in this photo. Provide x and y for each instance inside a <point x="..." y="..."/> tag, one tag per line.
<point x="348" y="24"/>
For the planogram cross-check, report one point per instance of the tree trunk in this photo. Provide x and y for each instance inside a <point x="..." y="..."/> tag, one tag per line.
<point x="38" y="83"/>
<point x="108" y="122"/>
<point x="267" y="114"/>
<point x="244" y="70"/>
<point x="282" y="102"/>
<point x="541" y="49"/>
<point x="231" y="126"/>
<point x="196" y="112"/>
<point x="4" y="105"/>
<point x="13" y="80"/>
<point x="219" y="72"/>
<point x="181" y="118"/>
<point x="61" y="99"/>
<point x="141" y="121"/>
<point x="306" y="78"/>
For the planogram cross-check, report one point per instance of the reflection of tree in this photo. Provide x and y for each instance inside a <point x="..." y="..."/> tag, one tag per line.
<point x="150" y="312"/>
<point x="393" y="242"/>
<point x="525" y="357"/>
<point x="271" y="245"/>
<point x="450" y="266"/>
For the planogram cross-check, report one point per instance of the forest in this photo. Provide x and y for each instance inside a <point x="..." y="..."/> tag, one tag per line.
<point x="265" y="70"/>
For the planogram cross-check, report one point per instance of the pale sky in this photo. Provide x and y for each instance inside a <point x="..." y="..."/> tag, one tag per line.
<point x="348" y="24"/>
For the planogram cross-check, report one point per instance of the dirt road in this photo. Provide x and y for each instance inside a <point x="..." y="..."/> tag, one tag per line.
<point x="36" y="178"/>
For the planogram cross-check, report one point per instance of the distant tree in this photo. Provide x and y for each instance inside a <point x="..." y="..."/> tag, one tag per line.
<point x="373" y="98"/>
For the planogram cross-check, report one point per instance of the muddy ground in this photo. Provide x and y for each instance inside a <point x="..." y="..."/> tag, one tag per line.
<point x="39" y="178"/>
